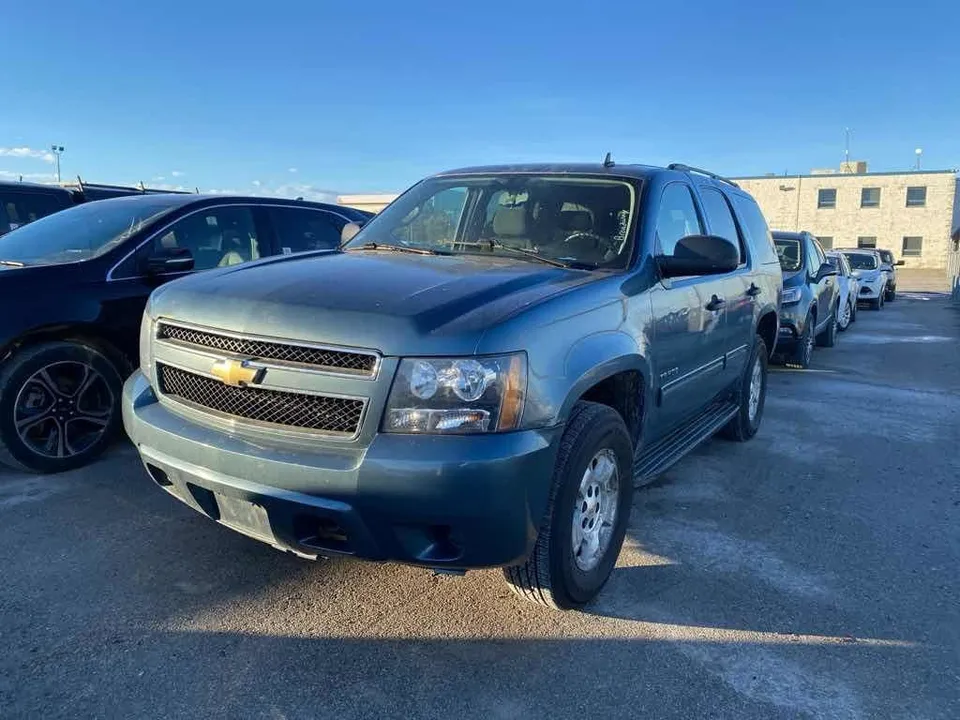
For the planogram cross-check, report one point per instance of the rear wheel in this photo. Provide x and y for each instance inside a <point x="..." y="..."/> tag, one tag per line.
<point x="59" y="406"/>
<point x="846" y="316"/>
<point x="587" y="513"/>
<point x="751" y="395"/>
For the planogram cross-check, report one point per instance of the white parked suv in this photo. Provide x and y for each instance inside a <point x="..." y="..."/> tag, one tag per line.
<point x="865" y="265"/>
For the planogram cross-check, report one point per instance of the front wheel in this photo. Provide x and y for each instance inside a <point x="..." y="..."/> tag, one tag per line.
<point x="59" y="406"/>
<point x="828" y="338"/>
<point x="587" y="513"/>
<point x="751" y="396"/>
<point x="891" y="295"/>
<point x="803" y="353"/>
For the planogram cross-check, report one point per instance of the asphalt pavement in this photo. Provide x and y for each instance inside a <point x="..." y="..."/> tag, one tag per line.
<point x="810" y="573"/>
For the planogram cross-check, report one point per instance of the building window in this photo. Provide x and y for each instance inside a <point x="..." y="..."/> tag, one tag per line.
<point x="870" y="197"/>
<point x="912" y="246"/>
<point x="827" y="198"/>
<point x="826" y="241"/>
<point x="866" y="241"/>
<point x="916" y="196"/>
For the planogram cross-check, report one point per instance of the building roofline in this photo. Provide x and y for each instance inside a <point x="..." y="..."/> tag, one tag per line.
<point x="840" y="174"/>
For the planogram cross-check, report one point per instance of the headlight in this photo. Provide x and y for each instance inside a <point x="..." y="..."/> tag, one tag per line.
<point x="146" y="345"/>
<point x="457" y="395"/>
<point x="789" y="295"/>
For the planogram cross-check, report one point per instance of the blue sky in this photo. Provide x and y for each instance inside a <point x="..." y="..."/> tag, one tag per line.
<point x="307" y="97"/>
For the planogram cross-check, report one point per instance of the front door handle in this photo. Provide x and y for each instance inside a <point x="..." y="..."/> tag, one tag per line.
<point x="716" y="303"/>
<point x="753" y="290"/>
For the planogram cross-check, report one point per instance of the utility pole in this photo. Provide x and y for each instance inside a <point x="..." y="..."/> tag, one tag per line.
<point x="919" y="152"/>
<point x="846" y="152"/>
<point x="57" y="150"/>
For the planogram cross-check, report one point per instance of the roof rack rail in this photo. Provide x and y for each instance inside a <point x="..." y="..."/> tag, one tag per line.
<point x="700" y="171"/>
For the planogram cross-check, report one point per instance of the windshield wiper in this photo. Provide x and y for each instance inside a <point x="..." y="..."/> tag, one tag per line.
<point x="395" y="248"/>
<point x="12" y="263"/>
<point x="532" y="254"/>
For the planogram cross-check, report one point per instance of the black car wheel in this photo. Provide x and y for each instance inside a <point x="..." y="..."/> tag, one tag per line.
<point x="828" y="338"/>
<point x="751" y="396"/>
<point x="891" y="294"/>
<point x="803" y="352"/>
<point x="59" y="406"/>
<point x="587" y="513"/>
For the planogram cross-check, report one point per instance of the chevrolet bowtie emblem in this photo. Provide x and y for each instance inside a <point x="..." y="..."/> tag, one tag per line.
<point x="235" y="372"/>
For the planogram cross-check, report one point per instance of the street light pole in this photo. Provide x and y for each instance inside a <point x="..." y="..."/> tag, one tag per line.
<point x="57" y="150"/>
<point x="919" y="152"/>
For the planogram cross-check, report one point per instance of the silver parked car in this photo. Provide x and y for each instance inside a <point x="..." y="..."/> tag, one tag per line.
<point x="849" y="286"/>
<point x="866" y="266"/>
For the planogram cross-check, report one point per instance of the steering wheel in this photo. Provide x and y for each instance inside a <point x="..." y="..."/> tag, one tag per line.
<point x="600" y="244"/>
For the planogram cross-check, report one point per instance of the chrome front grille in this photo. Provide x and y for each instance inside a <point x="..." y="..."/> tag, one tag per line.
<point x="320" y="413"/>
<point x="333" y="360"/>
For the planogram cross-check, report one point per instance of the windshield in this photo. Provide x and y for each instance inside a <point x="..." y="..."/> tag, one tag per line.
<point x="81" y="232"/>
<point x="789" y="252"/>
<point x="862" y="261"/>
<point x="886" y="256"/>
<point x="578" y="221"/>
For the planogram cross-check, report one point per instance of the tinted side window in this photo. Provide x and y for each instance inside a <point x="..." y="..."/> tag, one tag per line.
<point x="720" y="218"/>
<point x="216" y="237"/>
<point x="756" y="229"/>
<point x="815" y="256"/>
<point x="21" y="208"/>
<point x="677" y="217"/>
<point x="301" y="229"/>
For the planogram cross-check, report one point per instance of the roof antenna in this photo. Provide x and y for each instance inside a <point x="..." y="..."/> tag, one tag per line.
<point x="608" y="161"/>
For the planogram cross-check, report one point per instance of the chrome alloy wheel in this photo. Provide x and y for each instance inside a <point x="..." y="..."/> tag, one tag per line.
<point x="63" y="409"/>
<point x="756" y="388"/>
<point x="595" y="512"/>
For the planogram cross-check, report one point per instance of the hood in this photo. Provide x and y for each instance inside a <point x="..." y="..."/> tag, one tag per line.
<point x="397" y="303"/>
<point x="867" y="275"/>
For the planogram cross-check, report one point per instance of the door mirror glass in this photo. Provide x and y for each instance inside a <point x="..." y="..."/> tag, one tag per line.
<point x="349" y="231"/>
<point x="700" y="255"/>
<point x="826" y="270"/>
<point x="899" y="263"/>
<point x="169" y="260"/>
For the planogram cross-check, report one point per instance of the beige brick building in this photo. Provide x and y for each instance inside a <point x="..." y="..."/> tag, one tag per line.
<point x="909" y="213"/>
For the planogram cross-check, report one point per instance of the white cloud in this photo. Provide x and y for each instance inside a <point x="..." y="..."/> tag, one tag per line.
<point x="28" y="177"/>
<point x="158" y="178"/>
<point x="177" y="173"/>
<point x="257" y="183"/>
<point x="26" y="152"/>
<point x="292" y="170"/>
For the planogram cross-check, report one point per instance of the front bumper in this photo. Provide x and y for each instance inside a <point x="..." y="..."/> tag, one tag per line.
<point x="793" y="319"/>
<point x="437" y="501"/>
<point x="870" y="291"/>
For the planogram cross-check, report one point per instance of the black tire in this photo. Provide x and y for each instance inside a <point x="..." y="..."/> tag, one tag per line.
<point x="745" y="425"/>
<point x="877" y="304"/>
<point x="891" y="295"/>
<point x="551" y="576"/>
<point x="803" y="352"/>
<point x="853" y="311"/>
<point x="828" y="338"/>
<point x="92" y="416"/>
<point x="840" y="326"/>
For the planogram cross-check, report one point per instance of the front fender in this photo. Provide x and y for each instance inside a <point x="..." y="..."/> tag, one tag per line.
<point x="595" y="358"/>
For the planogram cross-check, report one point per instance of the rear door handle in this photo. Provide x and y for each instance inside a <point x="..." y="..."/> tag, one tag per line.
<point x="716" y="303"/>
<point x="753" y="290"/>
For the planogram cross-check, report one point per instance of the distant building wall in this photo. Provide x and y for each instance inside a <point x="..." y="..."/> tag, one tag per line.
<point x="795" y="203"/>
<point x="371" y="203"/>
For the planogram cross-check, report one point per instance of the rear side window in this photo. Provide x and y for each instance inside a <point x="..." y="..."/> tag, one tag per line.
<point x="301" y="229"/>
<point x="755" y="228"/>
<point x="677" y="217"/>
<point x="720" y="218"/>
<point x="21" y="208"/>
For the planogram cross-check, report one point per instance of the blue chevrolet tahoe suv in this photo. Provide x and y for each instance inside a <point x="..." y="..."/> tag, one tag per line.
<point x="479" y="377"/>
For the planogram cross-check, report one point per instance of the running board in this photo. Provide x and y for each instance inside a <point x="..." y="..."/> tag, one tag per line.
<point x="668" y="450"/>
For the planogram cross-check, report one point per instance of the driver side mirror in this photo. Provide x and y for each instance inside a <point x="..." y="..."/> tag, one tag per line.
<point x="169" y="260"/>
<point x="349" y="232"/>
<point x="700" y="255"/>
<point x="826" y="270"/>
<point x="898" y="263"/>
